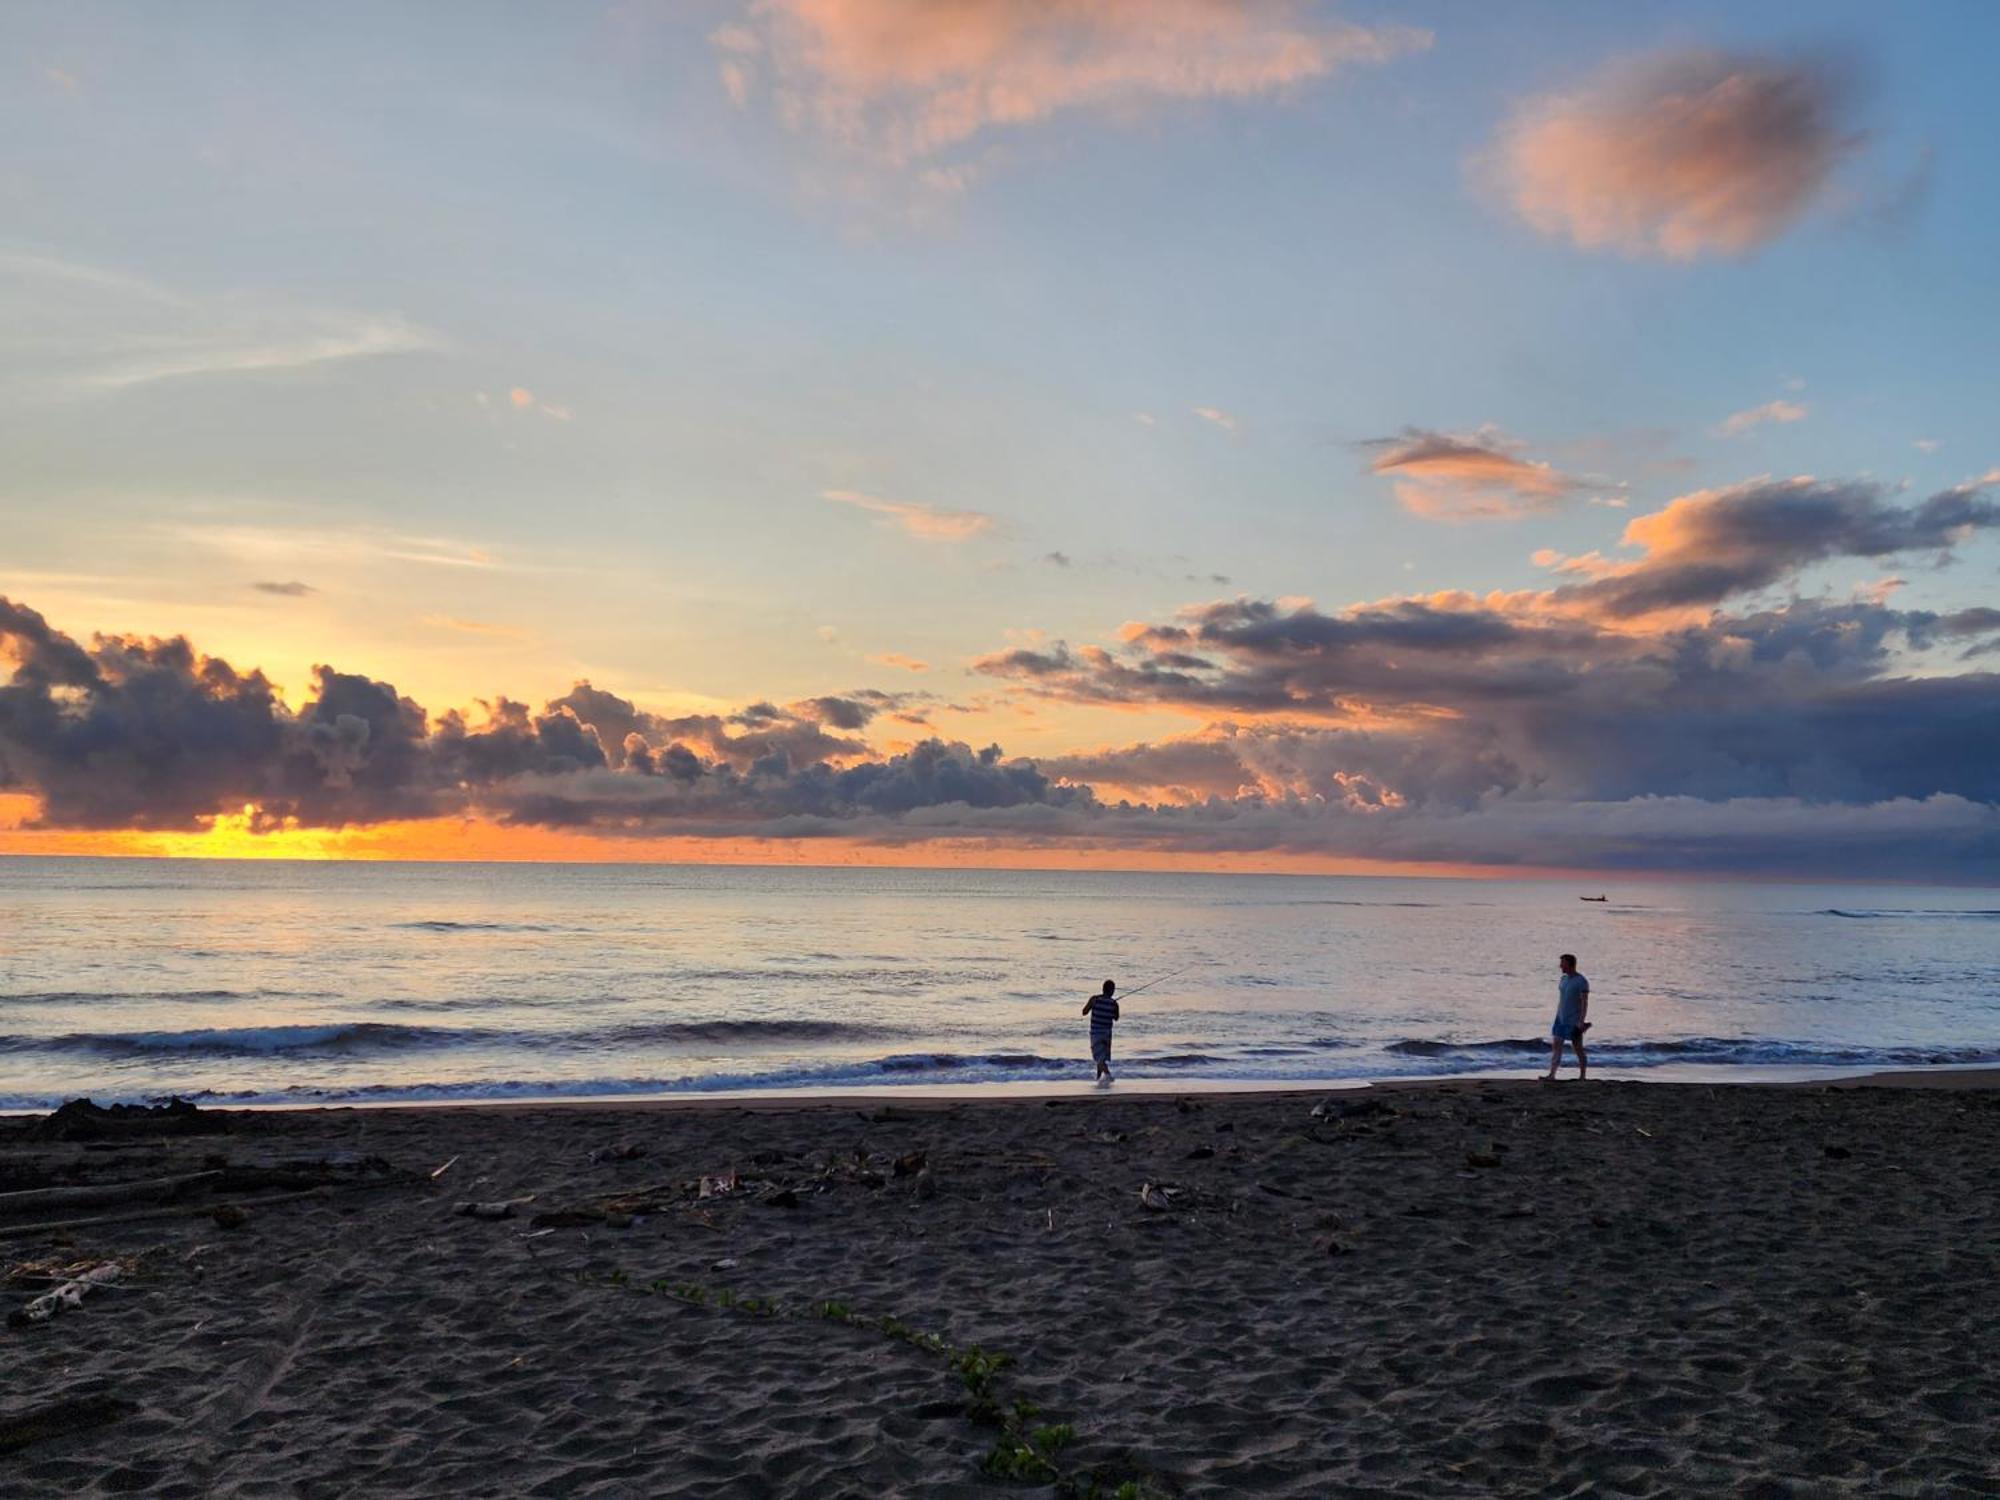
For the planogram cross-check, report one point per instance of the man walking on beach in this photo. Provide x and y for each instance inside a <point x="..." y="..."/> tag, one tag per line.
<point x="1572" y="1006"/>
<point x="1102" y="1010"/>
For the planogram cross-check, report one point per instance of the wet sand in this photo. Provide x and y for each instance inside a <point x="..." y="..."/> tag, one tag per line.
<point x="1466" y="1289"/>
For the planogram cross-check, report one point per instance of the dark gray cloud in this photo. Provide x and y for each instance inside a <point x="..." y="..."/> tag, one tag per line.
<point x="292" y="590"/>
<point x="1802" y="736"/>
<point x="1719" y="544"/>
<point x="149" y="734"/>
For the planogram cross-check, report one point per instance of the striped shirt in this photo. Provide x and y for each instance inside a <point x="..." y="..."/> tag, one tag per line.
<point x="1103" y="1011"/>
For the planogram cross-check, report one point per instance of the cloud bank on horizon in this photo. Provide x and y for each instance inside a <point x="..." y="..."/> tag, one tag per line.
<point x="1663" y="712"/>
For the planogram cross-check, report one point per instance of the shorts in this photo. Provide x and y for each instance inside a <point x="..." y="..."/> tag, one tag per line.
<point x="1566" y="1031"/>
<point x="1100" y="1048"/>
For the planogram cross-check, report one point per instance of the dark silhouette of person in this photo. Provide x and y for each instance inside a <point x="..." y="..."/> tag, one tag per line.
<point x="1103" y="1011"/>
<point x="1572" y="1012"/>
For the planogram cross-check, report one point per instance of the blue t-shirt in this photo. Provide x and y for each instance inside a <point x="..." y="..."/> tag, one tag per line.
<point x="1570" y="992"/>
<point x="1103" y="1011"/>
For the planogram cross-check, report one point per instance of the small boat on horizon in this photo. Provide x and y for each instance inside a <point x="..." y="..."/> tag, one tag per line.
<point x="1593" y="898"/>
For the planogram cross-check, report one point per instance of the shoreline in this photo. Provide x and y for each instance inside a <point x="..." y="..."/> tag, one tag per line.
<point x="1948" y="1076"/>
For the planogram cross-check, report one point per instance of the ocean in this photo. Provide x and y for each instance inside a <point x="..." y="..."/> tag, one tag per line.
<point x="310" y="983"/>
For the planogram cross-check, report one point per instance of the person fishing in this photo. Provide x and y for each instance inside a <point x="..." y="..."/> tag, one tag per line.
<point x="1102" y="1009"/>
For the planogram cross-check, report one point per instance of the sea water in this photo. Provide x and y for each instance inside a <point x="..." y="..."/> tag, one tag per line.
<point x="281" y="982"/>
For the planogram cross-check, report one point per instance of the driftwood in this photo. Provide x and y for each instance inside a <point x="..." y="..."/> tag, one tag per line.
<point x="37" y="1200"/>
<point x="199" y="1210"/>
<point x="58" y="1418"/>
<point x="66" y="1297"/>
<point x="500" y="1209"/>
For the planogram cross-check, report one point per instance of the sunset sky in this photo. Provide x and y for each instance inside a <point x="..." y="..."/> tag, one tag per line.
<point x="1543" y="436"/>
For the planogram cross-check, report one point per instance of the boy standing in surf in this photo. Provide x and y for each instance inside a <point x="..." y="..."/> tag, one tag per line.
<point x="1102" y="1010"/>
<point x="1572" y="1006"/>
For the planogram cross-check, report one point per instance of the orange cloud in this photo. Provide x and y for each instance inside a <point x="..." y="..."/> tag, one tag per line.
<point x="1771" y="411"/>
<point x="926" y="521"/>
<point x="897" y="659"/>
<point x="1679" y="156"/>
<point x="475" y="627"/>
<point x="904" y="80"/>
<point x="1478" y="476"/>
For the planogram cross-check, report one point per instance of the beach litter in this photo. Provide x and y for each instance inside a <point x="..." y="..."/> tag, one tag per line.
<point x="68" y="1296"/>
<point x="497" y="1209"/>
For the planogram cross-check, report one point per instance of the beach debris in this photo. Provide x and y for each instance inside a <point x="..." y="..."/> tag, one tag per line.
<point x="1350" y="1109"/>
<point x="1186" y="1107"/>
<point x="629" y="1151"/>
<point x="499" y="1209"/>
<point x="926" y="1186"/>
<point x="86" y="1120"/>
<point x="1113" y="1137"/>
<point x="1837" y="1153"/>
<point x="727" y="1263"/>
<point x="58" y="1419"/>
<point x="439" y="1171"/>
<point x="720" y="1185"/>
<point x="1643" y="1131"/>
<point x="1516" y="1211"/>
<point x="1332" y="1245"/>
<point x="229" y="1215"/>
<point x="93" y="1195"/>
<point x="569" y="1218"/>
<point x="783" y="1197"/>
<point x="912" y="1164"/>
<point x="68" y="1296"/>
<point x="1486" y="1155"/>
<point x="1160" y="1197"/>
<point x="1201" y="1153"/>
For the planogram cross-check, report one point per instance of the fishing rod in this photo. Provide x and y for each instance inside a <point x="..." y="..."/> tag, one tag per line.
<point x="1161" y="980"/>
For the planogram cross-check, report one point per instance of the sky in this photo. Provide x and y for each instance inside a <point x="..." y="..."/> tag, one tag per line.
<point x="1223" y="434"/>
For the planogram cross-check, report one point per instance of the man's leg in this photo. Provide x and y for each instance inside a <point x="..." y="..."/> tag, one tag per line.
<point x="1582" y="1062"/>
<point x="1555" y="1056"/>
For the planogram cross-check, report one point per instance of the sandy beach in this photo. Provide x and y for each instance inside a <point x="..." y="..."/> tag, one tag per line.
<point x="1470" y="1289"/>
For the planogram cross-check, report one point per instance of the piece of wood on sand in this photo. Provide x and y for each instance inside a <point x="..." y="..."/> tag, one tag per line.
<point x="59" y="1418"/>
<point x="97" y="1194"/>
<point x="66" y="1297"/>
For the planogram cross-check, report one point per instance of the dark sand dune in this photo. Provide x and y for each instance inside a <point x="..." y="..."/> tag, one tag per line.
<point x="1658" y="1290"/>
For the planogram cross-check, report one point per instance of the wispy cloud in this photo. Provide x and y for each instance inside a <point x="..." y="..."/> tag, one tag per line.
<point x="280" y="546"/>
<point x="927" y="521"/>
<point x="339" y="339"/>
<point x="1219" y="417"/>
<point x="81" y="330"/>
<point x="292" y="590"/>
<point x="1738" y="423"/>
<point x="525" y="400"/>
<point x="1678" y="155"/>
<point x="903" y="82"/>
<point x="475" y="627"/>
<point x="899" y="661"/>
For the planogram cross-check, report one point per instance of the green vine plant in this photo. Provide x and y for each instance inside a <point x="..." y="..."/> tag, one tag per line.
<point x="1022" y="1451"/>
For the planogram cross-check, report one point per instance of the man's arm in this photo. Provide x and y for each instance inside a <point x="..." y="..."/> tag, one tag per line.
<point x="1088" y="1003"/>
